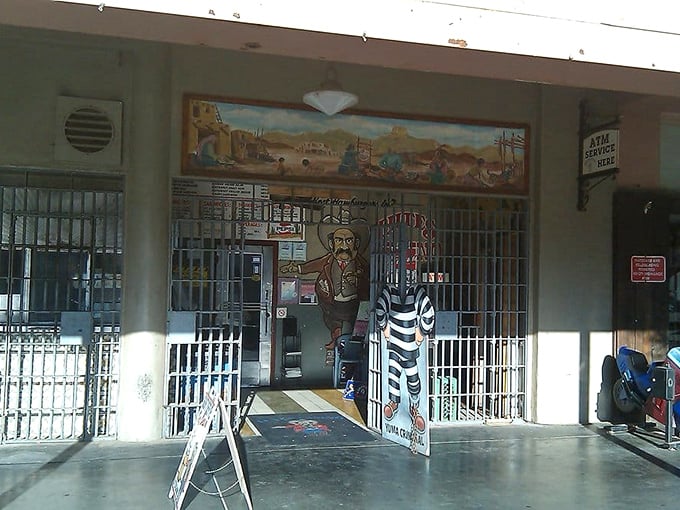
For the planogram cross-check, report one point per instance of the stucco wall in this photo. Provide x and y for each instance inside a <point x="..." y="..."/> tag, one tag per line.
<point x="640" y="152"/>
<point x="572" y="268"/>
<point x="41" y="66"/>
<point x="253" y="76"/>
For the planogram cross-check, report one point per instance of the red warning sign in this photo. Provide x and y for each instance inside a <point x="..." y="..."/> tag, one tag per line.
<point x="647" y="268"/>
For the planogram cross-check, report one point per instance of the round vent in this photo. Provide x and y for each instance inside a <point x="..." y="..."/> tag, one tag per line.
<point x="88" y="130"/>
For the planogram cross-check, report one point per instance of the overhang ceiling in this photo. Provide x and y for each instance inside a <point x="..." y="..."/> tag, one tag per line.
<point x="308" y="44"/>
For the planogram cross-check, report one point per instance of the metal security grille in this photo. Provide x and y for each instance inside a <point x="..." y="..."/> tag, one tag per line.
<point x="211" y="316"/>
<point x="210" y="304"/>
<point x="60" y="272"/>
<point x="480" y="375"/>
<point x="471" y="254"/>
<point x="207" y="306"/>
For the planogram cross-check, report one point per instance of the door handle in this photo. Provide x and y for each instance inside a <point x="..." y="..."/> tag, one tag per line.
<point x="268" y="309"/>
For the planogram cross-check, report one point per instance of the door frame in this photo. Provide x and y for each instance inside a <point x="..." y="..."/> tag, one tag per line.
<point x="266" y="340"/>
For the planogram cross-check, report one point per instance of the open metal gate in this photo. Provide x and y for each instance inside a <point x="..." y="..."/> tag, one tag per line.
<point x="471" y="253"/>
<point x="206" y="327"/>
<point x="61" y="251"/>
<point x="212" y="310"/>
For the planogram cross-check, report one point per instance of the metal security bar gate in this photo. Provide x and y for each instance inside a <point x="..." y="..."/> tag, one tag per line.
<point x="480" y="374"/>
<point x="220" y="309"/>
<point x="60" y="282"/>
<point x="206" y="323"/>
<point x="471" y="254"/>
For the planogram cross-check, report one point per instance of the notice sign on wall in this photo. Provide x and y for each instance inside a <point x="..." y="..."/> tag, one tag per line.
<point x="647" y="268"/>
<point x="600" y="151"/>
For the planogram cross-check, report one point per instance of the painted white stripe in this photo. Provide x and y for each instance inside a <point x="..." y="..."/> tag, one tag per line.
<point x="310" y="401"/>
<point x="253" y="427"/>
<point x="259" y="407"/>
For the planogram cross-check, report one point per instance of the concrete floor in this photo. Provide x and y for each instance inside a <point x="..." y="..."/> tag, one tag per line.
<point x="519" y="466"/>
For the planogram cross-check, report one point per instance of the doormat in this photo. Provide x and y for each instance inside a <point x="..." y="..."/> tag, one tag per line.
<point x="294" y="429"/>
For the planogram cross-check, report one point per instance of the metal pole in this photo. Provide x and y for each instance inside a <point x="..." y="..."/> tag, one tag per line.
<point x="669" y="425"/>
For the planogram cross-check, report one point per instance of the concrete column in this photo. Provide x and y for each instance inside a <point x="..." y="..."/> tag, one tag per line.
<point x="600" y="344"/>
<point x="145" y="282"/>
<point x="558" y="375"/>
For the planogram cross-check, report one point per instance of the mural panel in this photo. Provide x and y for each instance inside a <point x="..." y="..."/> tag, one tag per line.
<point x="243" y="139"/>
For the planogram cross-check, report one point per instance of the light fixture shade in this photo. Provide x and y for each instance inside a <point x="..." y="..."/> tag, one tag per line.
<point x="330" y="102"/>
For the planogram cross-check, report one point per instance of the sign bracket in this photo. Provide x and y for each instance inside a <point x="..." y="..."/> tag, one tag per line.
<point x="584" y="187"/>
<point x="585" y="177"/>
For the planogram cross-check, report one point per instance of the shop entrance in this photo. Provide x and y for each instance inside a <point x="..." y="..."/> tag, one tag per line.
<point x="220" y="323"/>
<point x="277" y="283"/>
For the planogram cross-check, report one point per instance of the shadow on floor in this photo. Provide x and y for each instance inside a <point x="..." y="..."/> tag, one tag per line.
<point x="43" y="472"/>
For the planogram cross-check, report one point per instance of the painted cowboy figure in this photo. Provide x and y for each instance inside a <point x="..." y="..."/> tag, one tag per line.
<point x="343" y="273"/>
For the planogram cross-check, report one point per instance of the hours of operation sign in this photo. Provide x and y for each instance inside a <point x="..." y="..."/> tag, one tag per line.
<point x="648" y="268"/>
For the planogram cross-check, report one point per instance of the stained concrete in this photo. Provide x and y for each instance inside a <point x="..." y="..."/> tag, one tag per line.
<point x="519" y="466"/>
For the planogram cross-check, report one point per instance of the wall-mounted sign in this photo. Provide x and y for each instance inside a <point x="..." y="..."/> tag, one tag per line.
<point x="249" y="205"/>
<point x="600" y="152"/>
<point x="647" y="268"/>
<point x="218" y="189"/>
<point x="435" y="277"/>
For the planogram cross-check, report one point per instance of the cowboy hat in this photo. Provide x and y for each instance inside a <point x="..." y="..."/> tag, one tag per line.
<point x="330" y="224"/>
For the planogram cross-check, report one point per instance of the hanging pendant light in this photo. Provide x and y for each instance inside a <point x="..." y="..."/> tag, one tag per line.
<point x="330" y="98"/>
